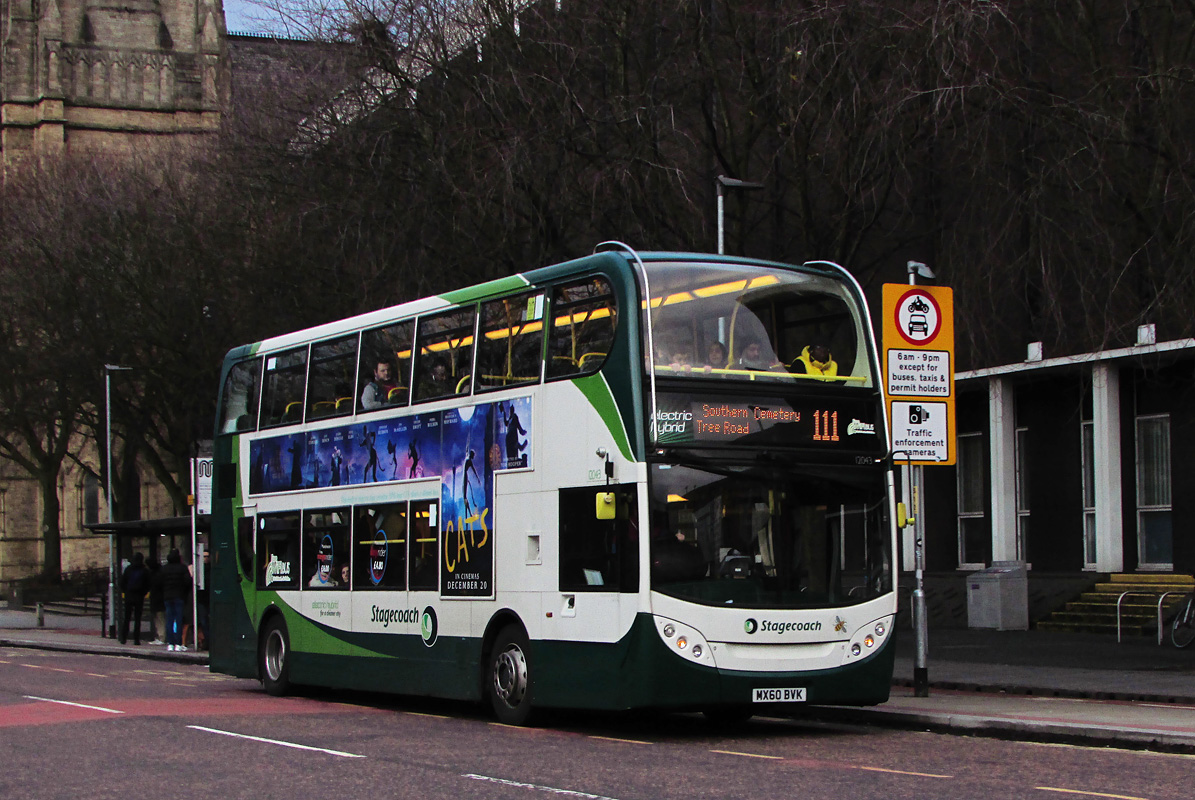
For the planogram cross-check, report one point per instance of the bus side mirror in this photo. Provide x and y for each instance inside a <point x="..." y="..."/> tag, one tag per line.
<point x="605" y="505"/>
<point x="903" y="520"/>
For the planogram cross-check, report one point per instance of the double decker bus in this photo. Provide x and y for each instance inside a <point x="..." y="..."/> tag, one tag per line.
<point x="632" y="480"/>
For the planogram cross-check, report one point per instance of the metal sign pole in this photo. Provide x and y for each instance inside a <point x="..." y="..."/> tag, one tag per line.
<point x="196" y="565"/>
<point x="920" y="620"/>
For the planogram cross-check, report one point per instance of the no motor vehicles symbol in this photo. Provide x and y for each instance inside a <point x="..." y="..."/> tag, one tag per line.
<point x="918" y="317"/>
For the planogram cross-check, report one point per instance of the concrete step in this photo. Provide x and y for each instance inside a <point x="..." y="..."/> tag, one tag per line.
<point x="78" y="607"/>
<point x="1068" y="618"/>
<point x="1152" y="577"/>
<point x="1091" y="627"/>
<point x="1084" y="607"/>
<point x="1110" y="601"/>
<point x="1095" y="610"/>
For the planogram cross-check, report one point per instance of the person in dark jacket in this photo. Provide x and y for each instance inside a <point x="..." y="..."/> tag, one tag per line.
<point x="134" y="583"/>
<point x="176" y="586"/>
<point x="157" y="608"/>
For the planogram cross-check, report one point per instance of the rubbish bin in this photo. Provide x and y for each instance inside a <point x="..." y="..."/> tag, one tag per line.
<point x="998" y="597"/>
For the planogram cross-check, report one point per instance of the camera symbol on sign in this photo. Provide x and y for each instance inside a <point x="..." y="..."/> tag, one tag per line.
<point x="918" y="415"/>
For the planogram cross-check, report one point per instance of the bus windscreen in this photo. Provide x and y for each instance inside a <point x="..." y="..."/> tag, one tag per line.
<point x="764" y="537"/>
<point x="751" y="323"/>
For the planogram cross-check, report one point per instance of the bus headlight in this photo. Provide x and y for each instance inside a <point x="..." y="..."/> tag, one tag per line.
<point x="867" y="639"/>
<point x="685" y="641"/>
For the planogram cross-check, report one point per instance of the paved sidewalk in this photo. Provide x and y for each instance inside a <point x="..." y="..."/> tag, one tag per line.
<point x="18" y="628"/>
<point x="1081" y="688"/>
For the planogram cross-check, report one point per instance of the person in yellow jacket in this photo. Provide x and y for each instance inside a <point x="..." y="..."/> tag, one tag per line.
<point x="816" y="360"/>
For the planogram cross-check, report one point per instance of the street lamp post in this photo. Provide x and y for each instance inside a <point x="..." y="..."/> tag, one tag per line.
<point x="108" y="370"/>
<point x="722" y="184"/>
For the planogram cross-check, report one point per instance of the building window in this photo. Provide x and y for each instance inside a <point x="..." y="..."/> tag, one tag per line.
<point x="1154" y="535"/>
<point x="1088" y="467"/>
<point x="89" y="499"/>
<point x="974" y="540"/>
<point x="1022" y="461"/>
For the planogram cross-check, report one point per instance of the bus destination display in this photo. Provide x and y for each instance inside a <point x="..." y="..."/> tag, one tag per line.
<point x="683" y="419"/>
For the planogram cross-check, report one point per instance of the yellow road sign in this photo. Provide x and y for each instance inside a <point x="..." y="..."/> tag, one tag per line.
<point x="919" y="372"/>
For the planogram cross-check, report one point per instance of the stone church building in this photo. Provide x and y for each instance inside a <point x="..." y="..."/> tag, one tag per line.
<point x="79" y="76"/>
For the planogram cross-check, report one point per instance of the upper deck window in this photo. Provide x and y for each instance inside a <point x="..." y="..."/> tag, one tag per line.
<point x="386" y="366"/>
<point x="282" y="397"/>
<point x="742" y="322"/>
<point x="510" y="347"/>
<point x="238" y="402"/>
<point x="333" y="367"/>
<point x="444" y="367"/>
<point x="584" y="317"/>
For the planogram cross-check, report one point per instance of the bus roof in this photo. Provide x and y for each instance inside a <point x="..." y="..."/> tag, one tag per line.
<point x="499" y="286"/>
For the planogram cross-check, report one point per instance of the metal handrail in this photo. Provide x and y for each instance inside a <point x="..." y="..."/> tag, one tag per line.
<point x="1123" y="595"/>
<point x="1160" y="599"/>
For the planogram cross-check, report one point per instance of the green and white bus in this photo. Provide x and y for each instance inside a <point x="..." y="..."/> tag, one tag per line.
<point x="632" y="480"/>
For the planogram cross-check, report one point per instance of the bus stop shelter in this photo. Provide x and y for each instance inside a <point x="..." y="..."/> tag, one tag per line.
<point x="154" y="539"/>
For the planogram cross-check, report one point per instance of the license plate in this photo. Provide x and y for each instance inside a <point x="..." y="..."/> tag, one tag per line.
<point x="778" y="695"/>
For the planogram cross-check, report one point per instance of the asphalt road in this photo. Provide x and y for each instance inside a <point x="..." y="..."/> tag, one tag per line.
<point x="75" y="725"/>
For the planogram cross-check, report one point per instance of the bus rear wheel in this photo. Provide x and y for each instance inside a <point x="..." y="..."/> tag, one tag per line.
<point x="274" y="658"/>
<point x="508" y="679"/>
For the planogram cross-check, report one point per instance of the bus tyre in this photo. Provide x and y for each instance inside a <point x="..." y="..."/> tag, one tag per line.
<point x="508" y="678"/>
<point x="274" y="658"/>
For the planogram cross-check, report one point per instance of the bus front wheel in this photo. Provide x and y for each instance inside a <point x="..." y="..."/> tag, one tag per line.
<point x="508" y="680"/>
<point x="274" y="655"/>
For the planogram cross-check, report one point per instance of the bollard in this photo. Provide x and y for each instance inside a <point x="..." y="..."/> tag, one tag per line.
<point x="41" y="615"/>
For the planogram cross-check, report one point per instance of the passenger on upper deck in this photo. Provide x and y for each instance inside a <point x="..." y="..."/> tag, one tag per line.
<point x="753" y="357"/>
<point x="377" y="392"/>
<point x="715" y="356"/>
<point x="816" y="360"/>
<point x="682" y="361"/>
<point x="437" y="381"/>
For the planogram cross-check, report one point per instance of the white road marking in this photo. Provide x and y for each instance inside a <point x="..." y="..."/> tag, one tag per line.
<point x="537" y="787"/>
<point x="748" y="755"/>
<point x="1088" y="794"/>
<point x="76" y="705"/>
<point x="277" y="742"/>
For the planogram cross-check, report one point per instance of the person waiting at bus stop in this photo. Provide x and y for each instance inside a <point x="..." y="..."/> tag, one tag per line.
<point x="176" y="586"/>
<point x="377" y="392"/>
<point x="134" y="584"/>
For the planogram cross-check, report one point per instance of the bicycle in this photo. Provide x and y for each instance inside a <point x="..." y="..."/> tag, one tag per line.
<point x="1182" y="627"/>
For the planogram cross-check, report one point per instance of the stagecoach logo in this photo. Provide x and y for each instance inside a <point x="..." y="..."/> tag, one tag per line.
<point x="839" y="625"/>
<point x="858" y="426"/>
<point x="428" y="627"/>
<point x="277" y="571"/>
<point x="377" y="558"/>
<point x="767" y="626"/>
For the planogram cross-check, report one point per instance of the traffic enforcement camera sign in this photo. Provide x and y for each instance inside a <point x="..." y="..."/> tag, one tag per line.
<point x="919" y="371"/>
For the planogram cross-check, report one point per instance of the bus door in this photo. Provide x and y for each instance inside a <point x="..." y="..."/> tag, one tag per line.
<point x="599" y="561"/>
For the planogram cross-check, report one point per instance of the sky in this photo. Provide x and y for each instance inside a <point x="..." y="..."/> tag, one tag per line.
<point x="237" y="17"/>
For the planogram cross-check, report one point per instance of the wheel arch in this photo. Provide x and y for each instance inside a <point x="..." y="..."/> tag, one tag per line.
<point x="497" y="622"/>
<point x="271" y="612"/>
